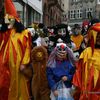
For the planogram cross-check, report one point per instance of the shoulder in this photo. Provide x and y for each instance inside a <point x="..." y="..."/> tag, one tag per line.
<point x="26" y="33"/>
<point x="86" y="53"/>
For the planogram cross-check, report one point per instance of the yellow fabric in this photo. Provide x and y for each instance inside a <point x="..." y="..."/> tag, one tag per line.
<point x="77" y="40"/>
<point x="96" y="64"/>
<point x="92" y="33"/>
<point x="1" y="44"/>
<point x="91" y="61"/>
<point x="18" y="85"/>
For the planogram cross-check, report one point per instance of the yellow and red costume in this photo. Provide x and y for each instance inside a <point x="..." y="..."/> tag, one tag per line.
<point x="14" y="51"/>
<point x="87" y="76"/>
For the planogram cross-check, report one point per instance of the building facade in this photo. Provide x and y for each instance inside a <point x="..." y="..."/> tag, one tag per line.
<point x="65" y="5"/>
<point x="98" y="9"/>
<point x="52" y="12"/>
<point x="30" y="11"/>
<point x="80" y="10"/>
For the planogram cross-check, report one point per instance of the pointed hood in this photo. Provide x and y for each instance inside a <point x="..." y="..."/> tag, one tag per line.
<point x="10" y="9"/>
<point x="92" y="33"/>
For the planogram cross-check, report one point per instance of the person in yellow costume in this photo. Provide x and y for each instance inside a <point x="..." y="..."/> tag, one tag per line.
<point x="14" y="58"/>
<point x="87" y="76"/>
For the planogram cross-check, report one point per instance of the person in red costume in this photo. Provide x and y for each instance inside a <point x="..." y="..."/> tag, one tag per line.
<point x="14" y="54"/>
<point x="87" y="76"/>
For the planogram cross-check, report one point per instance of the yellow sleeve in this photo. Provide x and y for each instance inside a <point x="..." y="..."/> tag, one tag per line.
<point x="26" y="57"/>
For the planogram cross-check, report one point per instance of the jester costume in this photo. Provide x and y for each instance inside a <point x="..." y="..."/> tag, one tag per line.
<point x="87" y="76"/>
<point x="14" y="51"/>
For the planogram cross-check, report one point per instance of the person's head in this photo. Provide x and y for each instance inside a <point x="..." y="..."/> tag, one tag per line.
<point x="69" y="30"/>
<point x="94" y="36"/>
<point x="52" y="40"/>
<point x="93" y="21"/>
<point x="19" y="27"/>
<point x="9" y="20"/>
<point x="61" y="51"/>
<point x="76" y="29"/>
<point x="85" y="26"/>
<point x="32" y="31"/>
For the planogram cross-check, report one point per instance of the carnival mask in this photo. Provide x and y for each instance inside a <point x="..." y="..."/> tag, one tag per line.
<point x="9" y="20"/>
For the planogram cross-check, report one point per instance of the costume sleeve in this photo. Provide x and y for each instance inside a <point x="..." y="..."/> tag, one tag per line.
<point x="71" y="72"/>
<point x="51" y="81"/>
<point x="27" y="48"/>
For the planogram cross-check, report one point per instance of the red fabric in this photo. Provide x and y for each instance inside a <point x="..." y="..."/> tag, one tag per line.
<point x="96" y="27"/>
<point x="4" y="68"/>
<point x="10" y="9"/>
<point x="78" y="81"/>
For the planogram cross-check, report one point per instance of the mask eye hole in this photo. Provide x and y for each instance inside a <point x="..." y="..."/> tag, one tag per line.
<point x="61" y="49"/>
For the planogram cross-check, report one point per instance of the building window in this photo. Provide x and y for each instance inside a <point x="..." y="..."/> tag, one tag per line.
<point x="72" y="14"/>
<point x="79" y="14"/>
<point x="89" y="12"/>
<point x="75" y="0"/>
<point x="98" y="2"/>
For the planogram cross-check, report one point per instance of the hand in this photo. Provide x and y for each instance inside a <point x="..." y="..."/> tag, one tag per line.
<point x="64" y="78"/>
<point x="22" y="67"/>
<point x="55" y="93"/>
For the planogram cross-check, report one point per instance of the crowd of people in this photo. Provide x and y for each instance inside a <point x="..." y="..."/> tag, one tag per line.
<point x="48" y="63"/>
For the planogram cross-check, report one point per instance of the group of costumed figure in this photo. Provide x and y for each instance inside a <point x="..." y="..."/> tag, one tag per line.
<point x="48" y="63"/>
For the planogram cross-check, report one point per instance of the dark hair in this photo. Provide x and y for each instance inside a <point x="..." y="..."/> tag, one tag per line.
<point x="93" y="21"/>
<point x="4" y="27"/>
<point x="76" y="26"/>
<point x="41" y="25"/>
<point x="2" y="12"/>
<point x="19" y="26"/>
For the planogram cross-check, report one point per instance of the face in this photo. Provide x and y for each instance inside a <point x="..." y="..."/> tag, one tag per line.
<point x="61" y="52"/>
<point x="59" y="32"/>
<point x="62" y="56"/>
<point x="9" y="21"/>
<point x="32" y="31"/>
<point x="77" y="31"/>
<point x="86" y="27"/>
<point x="62" y="31"/>
<point x="51" y="43"/>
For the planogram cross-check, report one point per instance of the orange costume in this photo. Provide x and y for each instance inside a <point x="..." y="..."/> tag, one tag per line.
<point x="14" y="51"/>
<point x="77" y="40"/>
<point x="87" y="76"/>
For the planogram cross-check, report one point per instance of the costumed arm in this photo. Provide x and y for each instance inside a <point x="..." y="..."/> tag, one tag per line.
<point x="71" y="72"/>
<point x="25" y="66"/>
<point x="27" y="47"/>
<point x="51" y="81"/>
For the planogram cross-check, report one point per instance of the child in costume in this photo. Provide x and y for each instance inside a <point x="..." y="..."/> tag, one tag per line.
<point x="60" y="70"/>
<point x="40" y="88"/>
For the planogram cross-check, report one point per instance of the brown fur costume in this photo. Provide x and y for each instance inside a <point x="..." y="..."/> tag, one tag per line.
<point x="40" y="90"/>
